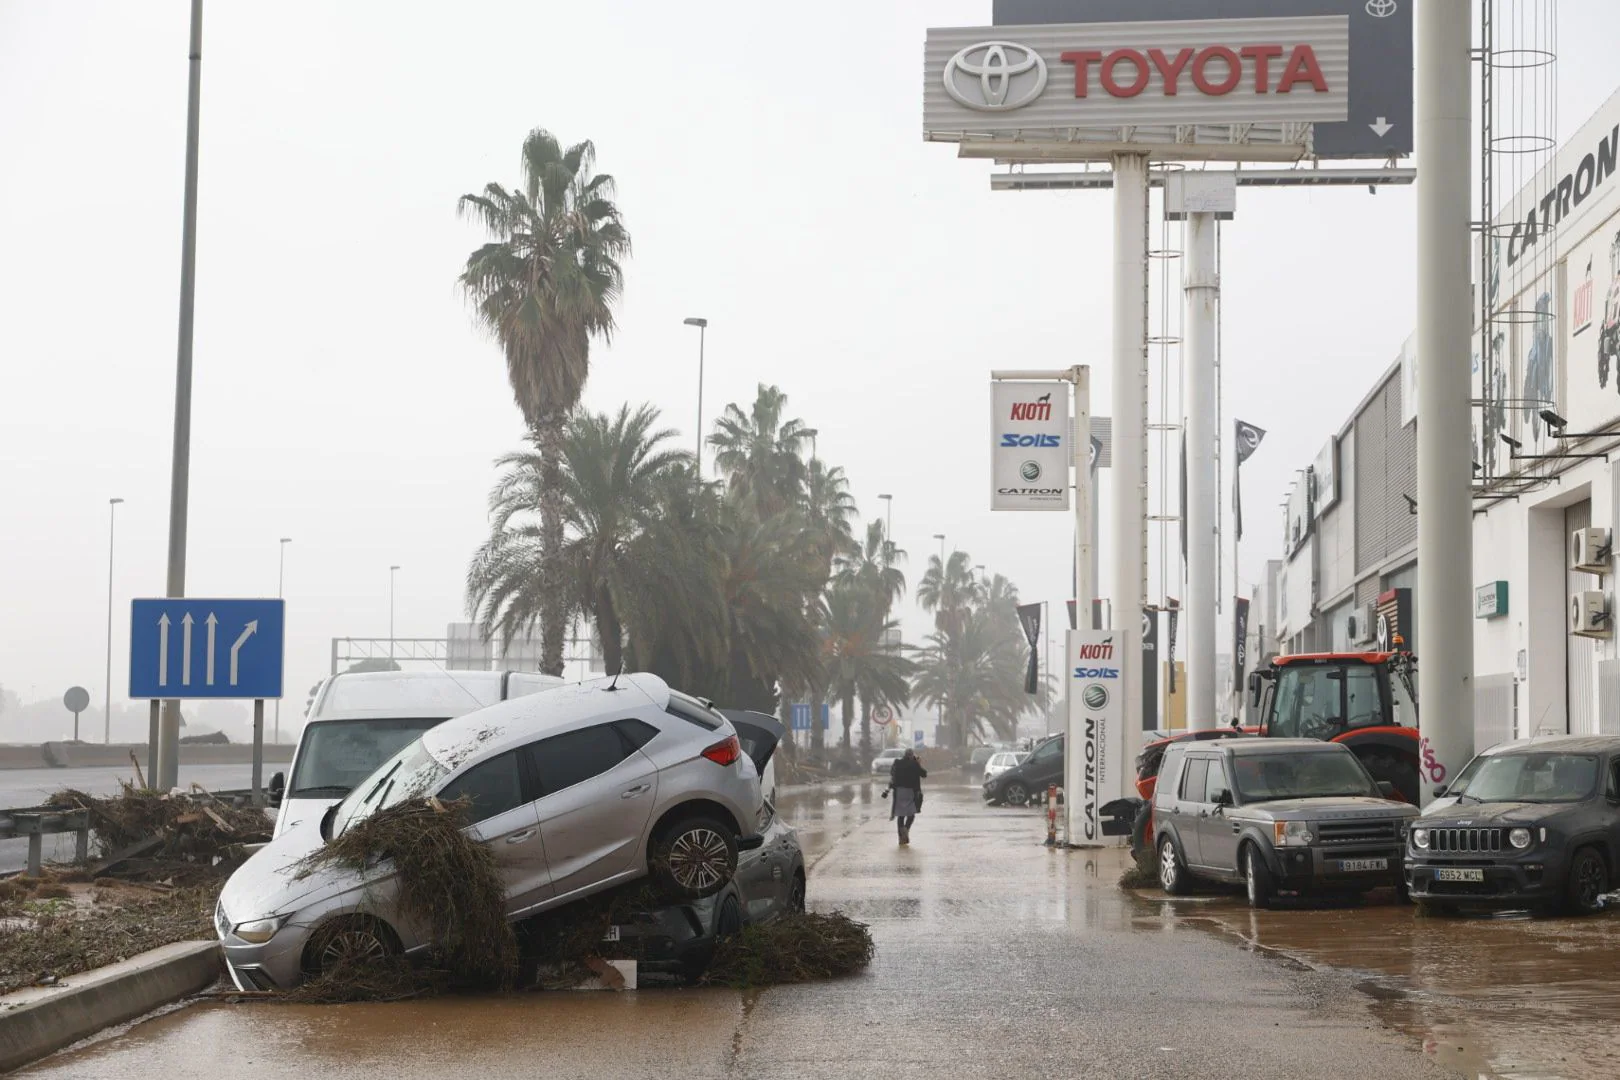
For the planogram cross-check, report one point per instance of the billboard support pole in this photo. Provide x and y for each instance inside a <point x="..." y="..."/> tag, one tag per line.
<point x="1130" y="402"/>
<point x="1201" y="289"/>
<point x="1444" y="474"/>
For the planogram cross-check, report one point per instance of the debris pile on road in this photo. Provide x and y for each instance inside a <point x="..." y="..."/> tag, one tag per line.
<point x="447" y="881"/>
<point x="154" y="835"/>
<point x="1143" y="871"/>
<point x="795" y="948"/>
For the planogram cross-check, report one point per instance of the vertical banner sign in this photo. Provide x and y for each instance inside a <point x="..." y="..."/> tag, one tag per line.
<point x="1240" y="640"/>
<point x="1175" y="612"/>
<point x="1029" y="456"/>
<point x="1094" y="751"/>
<point x="1071" y="613"/>
<point x="1150" y="670"/>
<point x="1247" y="437"/>
<point x="1029" y="616"/>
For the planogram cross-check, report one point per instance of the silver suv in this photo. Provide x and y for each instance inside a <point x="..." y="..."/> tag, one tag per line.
<point x="577" y="789"/>
<point x="1278" y="815"/>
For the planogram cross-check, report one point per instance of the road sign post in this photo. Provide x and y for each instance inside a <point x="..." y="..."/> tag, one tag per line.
<point x="77" y="699"/>
<point x="258" y="751"/>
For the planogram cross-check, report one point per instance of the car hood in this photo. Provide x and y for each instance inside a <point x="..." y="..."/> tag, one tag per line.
<point x="274" y="880"/>
<point x="296" y="812"/>
<point x="1497" y="813"/>
<point x="1329" y="808"/>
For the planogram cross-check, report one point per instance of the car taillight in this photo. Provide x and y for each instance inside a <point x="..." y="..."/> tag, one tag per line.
<point x="725" y="752"/>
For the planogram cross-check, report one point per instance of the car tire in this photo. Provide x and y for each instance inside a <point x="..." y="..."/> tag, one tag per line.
<point x="1257" y="880"/>
<point x="1173" y="877"/>
<point x="350" y="941"/>
<point x="1403" y="775"/>
<point x="1015" y="794"/>
<point x="796" y="894"/>
<point x="1587" y="882"/>
<point x="694" y="858"/>
<point x="1403" y="892"/>
<point x="727" y="923"/>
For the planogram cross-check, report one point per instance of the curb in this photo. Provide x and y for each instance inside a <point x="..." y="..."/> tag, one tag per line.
<point x="41" y="1020"/>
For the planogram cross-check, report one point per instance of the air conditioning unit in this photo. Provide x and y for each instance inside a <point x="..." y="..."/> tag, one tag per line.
<point x="1362" y="625"/>
<point x="1589" y="551"/>
<point x="1589" y="614"/>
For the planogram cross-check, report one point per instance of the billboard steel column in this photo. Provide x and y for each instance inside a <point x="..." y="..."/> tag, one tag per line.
<point x="1201" y="289"/>
<point x="1445" y="645"/>
<point x="1130" y="397"/>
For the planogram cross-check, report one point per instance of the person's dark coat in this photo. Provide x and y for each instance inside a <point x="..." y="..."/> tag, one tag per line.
<point x="908" y="772"/>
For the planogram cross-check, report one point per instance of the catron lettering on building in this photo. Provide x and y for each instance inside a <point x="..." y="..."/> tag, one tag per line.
<point x="1214" y="70"/>
<point x="1568" y="192"/>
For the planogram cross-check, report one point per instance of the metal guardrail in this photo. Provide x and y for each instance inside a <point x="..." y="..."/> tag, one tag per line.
<point x="37" y="822"/>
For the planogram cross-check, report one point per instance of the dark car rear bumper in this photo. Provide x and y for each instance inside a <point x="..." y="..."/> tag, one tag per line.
<point x="1527" y="881"/>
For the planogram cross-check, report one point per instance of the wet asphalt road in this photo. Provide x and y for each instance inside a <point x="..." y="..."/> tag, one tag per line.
<point x="996" y="958"/>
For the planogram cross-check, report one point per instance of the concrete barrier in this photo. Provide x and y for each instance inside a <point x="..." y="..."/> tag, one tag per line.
<point x="63" y="755"/>
<point x="42" y="1020"/>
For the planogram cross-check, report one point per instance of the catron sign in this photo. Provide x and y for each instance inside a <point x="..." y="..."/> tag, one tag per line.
<point x="1055" y="77"/>
<point x="1029" y="455"/>
<point x="1094" y="751"/>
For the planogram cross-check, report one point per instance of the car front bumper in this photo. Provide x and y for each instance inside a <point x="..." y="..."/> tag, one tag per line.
<point x="275" y="965"/>
<point x="1301" y="869"/>
<point x="1531" y="877"/>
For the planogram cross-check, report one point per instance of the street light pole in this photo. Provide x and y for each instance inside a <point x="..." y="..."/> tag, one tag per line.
<point x="168" y="741"/>
<point x="392" y="570"/>
<point x="888" y="528"/>
<point x="703" y="329"/>
<point x="941" y="538"/>
<point x="281" y="584"/>
<point x="106" y="707"/>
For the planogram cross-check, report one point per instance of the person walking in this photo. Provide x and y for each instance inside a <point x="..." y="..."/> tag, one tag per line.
<point x="905" y="786"/>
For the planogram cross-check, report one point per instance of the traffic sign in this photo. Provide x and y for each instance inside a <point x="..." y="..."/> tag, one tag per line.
<point x="882" y="714"/>
<point x="800" y="714"/>
<point x="188" y="648"/>
<point x="77" y="699"/>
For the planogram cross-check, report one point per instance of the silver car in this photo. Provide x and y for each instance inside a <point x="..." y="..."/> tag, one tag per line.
<point x="581" y="788"/>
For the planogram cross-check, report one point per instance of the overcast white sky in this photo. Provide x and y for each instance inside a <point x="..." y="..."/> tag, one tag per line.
<point x="771" y="171"/>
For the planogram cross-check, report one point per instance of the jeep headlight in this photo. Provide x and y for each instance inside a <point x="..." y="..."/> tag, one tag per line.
<point x="1420" y="839"/>
<point x="259" y="931"/>
<point x="1519" y="838"/>
<point x="1291" y="833"/>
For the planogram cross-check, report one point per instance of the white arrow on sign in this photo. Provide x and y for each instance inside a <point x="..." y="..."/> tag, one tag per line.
<point x="212" y="623"/>
<point x="163" y="649"/>
<point x="247" y="631"/>
<point x="185" y="657"/>
<point x="1381" y="128"/>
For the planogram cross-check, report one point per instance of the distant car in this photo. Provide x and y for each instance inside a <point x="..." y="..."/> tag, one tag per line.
<point x="360" y="719"/>
<point x="1001" y="761"/>
<point x="980" y="756"/>
<point x="1277" y="815"/>
<point x="1529" y="823"/>
<point x="576" y="790"/>
<point x="1028" y="779"/>
<point x="885" y="759"/>
<point x="681" y="938"/>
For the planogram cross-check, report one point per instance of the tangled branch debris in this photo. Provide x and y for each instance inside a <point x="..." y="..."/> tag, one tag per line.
<point x="44" y="938"/>
<point x="195" y="830"/>
<point x="447" y="882"/>
<point x="796" y="948"/>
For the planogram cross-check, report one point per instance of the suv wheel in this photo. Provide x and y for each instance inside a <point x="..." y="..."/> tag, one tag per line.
<point x="1172" y="871"/>
<point x="1588" y="881"/>
<point x="694" y="858"/>
<point x="1256" y="878"/>
<point x="1015" y="794"/>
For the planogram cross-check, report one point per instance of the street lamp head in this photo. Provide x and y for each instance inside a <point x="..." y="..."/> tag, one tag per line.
<point x="885" y="496"/>
<point x="114" y="501"/>
<point x="286" y="539"/>
<point x="939" y="536"/>
<point x="391" y="569"/>
<point x="694" y="321"/>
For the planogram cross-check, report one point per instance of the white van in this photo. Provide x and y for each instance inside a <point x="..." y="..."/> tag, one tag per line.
<point x="359" y="720"/>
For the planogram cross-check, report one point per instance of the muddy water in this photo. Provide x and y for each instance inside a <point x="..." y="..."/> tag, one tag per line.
<point x="1507" y="996"/>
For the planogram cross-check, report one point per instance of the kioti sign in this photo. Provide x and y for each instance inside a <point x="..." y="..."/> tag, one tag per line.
<point x="1094" y="754"/>
<point x="1029" y="455"/>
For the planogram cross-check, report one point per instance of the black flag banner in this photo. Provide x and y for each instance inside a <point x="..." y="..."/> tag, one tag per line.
<point x="1029" y="616"/>
<point x="1247" y="437"/>
<point x="1240" y="639"/>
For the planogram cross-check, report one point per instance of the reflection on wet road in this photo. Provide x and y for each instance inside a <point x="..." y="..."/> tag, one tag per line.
<point x="996" y="958"/>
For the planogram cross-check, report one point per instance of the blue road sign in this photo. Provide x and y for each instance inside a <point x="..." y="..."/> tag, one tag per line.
<point x="800" y="713"/>
<point x="917" y="736"/>
<point x="188" y="648"/>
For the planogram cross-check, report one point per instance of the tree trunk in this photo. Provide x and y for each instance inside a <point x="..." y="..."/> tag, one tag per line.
<point x="849" y="716"/>
<point x="609" y="630"/>
<point x="866" y="731"/>
<point x="548" y="436"/>
<point x="818" y="736"/>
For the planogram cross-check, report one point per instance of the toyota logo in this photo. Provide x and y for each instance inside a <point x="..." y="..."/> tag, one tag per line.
<point x="1380" y="9"/>
<point x="992" y="65"/>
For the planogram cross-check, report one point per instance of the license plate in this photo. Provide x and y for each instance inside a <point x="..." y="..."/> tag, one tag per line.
<point x="612" y="934"/>
<point x="1352" y="865"/>
<point x="1459" y="873"/>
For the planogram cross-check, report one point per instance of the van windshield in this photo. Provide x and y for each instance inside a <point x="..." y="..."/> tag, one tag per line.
<point x="409" y="774"/>
<point x="338" y="754"/>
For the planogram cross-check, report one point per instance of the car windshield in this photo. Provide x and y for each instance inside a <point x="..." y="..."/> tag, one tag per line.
<point x="1529" y="778"/>
<point x="1305" y="775"/>
<point x="411" y="773"/>
<point x="338" y="754"/>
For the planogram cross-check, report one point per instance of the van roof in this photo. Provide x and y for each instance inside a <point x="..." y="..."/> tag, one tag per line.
<point x="519" y="721"/>
<point x="375" y="694"/>
<point x="1259" y="747"/>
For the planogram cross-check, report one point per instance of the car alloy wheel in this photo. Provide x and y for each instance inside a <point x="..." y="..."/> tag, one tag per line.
<point x="1016" y="794"/>
<point x="796" y="897"/>
<point x="1588" y="881"/>
<point x="699" y="860"/>
<point x="349" y="944"/>
<point x="1169" y="868"/>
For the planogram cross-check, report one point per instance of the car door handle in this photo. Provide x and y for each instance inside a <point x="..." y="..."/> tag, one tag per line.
<point x="639" y="789"/>
<point x="518" y="838"/>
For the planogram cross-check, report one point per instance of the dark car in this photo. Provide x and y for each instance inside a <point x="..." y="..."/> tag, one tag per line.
<point x="1278" y="815"/>
<point x="1530" y="823"/>
<point x="1016" y="786"/>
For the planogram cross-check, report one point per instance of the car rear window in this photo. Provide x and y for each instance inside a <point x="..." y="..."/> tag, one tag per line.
<point x="692" y="711"/>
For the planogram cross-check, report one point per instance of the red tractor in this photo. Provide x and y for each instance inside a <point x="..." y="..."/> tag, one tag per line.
<point x="1367" y="701"/>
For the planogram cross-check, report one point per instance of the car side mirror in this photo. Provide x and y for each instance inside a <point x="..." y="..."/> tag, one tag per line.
<point x="1440" y="792"/>
<point x="1387" y="790"/>
<point x="278" y="787"/>
<point x="1254" y="687"/>
<point x="1223" y="798"/>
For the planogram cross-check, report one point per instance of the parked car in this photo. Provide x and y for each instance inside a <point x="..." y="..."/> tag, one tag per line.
<point x="587" y="786"/>
<point x="979" y="758"/>
<point x="1001" y="761"/>
<point x="885" y="760"/>
<point x="1016" y="786"/>
<point x="681" y="938"/>
<point x="1277" y="815"/>
<point x="358" y="720"/>
<point x="1534" y="822"/>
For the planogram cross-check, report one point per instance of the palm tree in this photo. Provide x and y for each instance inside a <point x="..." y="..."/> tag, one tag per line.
<point x="873" y="569"/>
<point x="859" y="662"/>
<point x="761" y="454"/>
<point x="545" y="286"/>
<point x="949" y="589"/>
<point x="828" y="508"/>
